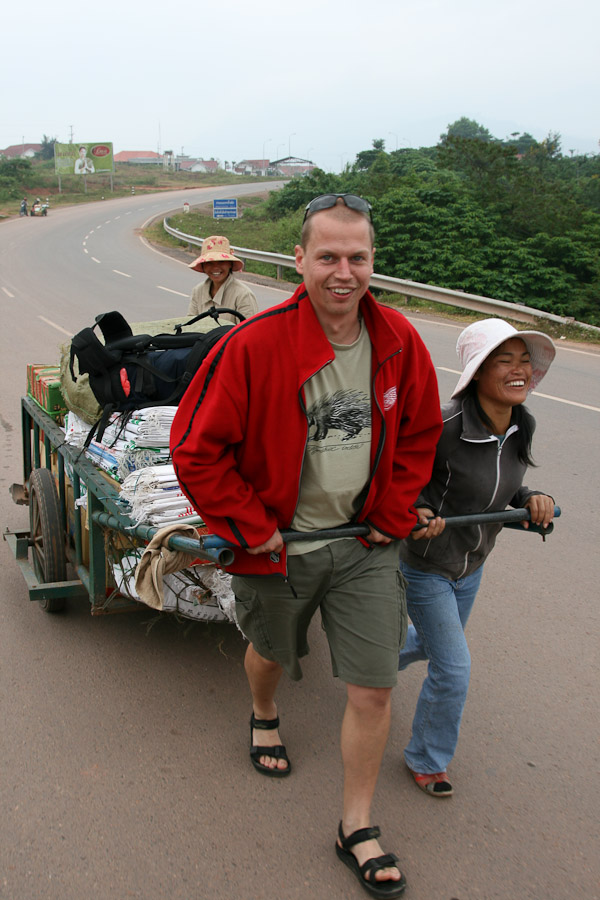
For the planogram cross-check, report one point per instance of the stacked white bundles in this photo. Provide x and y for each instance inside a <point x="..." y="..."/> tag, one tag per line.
<point x="200" y="592"/>
<point x="156" y="498"/>
<point x="136" y="440"/>
<point x="149" y="427"/>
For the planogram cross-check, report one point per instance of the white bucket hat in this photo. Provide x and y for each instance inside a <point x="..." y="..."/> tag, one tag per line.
<point x="478" y="340"/>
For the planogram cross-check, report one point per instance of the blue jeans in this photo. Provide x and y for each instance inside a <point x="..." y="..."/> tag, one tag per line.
<point x="439" y="609"/>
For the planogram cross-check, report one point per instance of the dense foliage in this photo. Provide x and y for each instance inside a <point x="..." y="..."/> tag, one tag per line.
<point x="515" y="219"/>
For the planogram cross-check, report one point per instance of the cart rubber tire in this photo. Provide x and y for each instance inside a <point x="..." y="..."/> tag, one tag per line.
<point x="47" y="535"/>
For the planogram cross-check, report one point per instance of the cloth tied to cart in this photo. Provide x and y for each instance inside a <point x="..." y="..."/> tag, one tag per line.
<point x="159" y="560"/>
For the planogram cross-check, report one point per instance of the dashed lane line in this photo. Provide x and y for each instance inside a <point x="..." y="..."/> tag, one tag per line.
<point x="54" y="325"/>
<point x="170" y="291"/>
<point x="94" y="258"/>
<point x="8" y="293"/>
<point x="124" y="274"/>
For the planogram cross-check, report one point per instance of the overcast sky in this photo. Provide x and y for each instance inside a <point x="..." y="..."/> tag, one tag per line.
<point x="317" y="78"/>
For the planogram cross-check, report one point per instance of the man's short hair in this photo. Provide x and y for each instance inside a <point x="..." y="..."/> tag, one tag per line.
<point x="341" y="212"/>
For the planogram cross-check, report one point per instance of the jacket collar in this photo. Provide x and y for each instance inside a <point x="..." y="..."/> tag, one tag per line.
<point x="473" y="428"/>
<point x="314" y="349"/>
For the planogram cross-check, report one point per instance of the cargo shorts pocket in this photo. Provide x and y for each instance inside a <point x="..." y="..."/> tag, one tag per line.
<point x="401" y="584"/>
<point x="250" y="614"/>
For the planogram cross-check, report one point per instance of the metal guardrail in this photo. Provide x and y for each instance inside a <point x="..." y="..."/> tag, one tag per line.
<point x="487" y="305"/>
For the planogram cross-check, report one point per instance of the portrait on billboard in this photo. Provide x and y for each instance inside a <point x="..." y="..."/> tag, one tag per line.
<point x="83" y="164"/>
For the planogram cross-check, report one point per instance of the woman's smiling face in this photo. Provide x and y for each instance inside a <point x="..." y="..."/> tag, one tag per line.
<point x="503" y="379"/>
<point x="218" y="272"/>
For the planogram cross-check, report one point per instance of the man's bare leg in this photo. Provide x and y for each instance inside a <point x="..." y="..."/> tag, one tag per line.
<point x="263" y="678"/>
<point x="365" y="730"/>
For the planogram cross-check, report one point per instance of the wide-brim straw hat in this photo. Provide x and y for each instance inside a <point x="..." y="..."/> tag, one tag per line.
<point x="478" y="340"/>
<point x="216" y="249"/>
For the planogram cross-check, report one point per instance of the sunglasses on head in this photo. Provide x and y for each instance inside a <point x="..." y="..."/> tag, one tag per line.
<point x="327" y="201"/>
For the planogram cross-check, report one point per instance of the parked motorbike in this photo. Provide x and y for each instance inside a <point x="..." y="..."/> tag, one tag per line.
<point x="39" y="208"/>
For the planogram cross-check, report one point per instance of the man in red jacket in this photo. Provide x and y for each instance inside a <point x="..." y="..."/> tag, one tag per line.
<point x="319" y="412"/>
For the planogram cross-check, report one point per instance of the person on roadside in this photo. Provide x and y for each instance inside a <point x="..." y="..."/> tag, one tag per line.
<point x="220" y="288"/>
<point x="23" y="209"/>
<point x="319" y="412"/>
<point x="480" y="462"/>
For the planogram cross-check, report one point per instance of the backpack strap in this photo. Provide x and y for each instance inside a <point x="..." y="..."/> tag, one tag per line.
<point x="214" y="312"/>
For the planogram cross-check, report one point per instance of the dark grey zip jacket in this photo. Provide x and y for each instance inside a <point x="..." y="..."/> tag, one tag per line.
<point x="472" y="473"/>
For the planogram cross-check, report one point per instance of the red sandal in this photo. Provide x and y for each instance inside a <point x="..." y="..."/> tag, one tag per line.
<point x="436" y="785"/>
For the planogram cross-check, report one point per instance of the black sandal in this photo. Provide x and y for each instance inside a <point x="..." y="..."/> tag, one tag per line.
<point x="366" y="873"/>
<point x="278" y="751"/>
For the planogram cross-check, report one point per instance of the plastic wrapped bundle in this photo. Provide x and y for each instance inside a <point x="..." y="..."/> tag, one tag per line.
<point x="156" y="498"/>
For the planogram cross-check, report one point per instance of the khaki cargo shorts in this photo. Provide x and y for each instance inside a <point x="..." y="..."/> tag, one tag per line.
<point x="360" y="593"/>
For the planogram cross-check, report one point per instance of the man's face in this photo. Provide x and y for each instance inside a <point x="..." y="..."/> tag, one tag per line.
<point x="337" y="263"/>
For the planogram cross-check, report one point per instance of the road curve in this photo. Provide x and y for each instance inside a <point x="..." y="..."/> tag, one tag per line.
<point x="124" y="744"/>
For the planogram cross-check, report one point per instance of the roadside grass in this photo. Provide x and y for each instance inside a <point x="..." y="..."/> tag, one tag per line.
<point x="251" y="229"/>
<point x="127" y="179"/>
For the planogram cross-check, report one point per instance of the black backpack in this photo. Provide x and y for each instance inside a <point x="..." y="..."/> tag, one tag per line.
<point x="132" y="371"/>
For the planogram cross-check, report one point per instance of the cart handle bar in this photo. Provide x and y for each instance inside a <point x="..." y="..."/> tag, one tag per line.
<point x="220" y="554"/>
<point x="505" y="516"/>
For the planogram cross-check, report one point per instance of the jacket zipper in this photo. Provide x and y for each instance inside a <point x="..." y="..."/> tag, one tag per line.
<point x="382" y="435"/>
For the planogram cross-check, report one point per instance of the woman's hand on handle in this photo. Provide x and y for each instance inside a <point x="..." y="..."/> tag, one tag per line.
<point x="435" y="524"/>
<point x="541" y="510"/>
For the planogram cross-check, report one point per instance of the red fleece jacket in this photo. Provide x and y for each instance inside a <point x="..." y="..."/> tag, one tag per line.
<point x="240" y="433"/>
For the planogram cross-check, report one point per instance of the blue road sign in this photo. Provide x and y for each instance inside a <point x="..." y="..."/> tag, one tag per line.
<point x="225" y="209"/>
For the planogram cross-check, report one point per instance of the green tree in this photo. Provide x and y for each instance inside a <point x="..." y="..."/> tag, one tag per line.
<point x="522" y="143"/>
<point x="47" y="151"/>
<point x="365" y="159"/>
<point x="466" y="128"/>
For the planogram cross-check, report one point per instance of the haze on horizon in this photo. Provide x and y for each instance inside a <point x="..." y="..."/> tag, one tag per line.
<point x="315" y="80"/>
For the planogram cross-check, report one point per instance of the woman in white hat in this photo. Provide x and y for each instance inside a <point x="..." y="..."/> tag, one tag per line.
<point x="220" y="287"/>
<point x="481" y="459"/>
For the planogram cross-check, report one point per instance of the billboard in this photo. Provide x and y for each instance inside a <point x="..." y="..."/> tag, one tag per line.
<point x="83" y="159"/>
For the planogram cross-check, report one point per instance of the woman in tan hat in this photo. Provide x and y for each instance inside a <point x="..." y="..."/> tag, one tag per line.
<point x="480" y="462"/>
<point x="220" y="287"/>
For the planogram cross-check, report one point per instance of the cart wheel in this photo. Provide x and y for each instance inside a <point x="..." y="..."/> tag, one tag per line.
<point x="47" y="536"/>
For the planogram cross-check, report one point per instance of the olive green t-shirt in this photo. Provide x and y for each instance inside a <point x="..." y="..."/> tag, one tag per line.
<point x="338" y="453"/>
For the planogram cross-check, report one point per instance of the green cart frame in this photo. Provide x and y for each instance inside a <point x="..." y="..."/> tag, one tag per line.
<point x="56" y="543"/>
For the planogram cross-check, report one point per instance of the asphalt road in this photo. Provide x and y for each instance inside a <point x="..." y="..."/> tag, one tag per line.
<point x="124" y="741"/>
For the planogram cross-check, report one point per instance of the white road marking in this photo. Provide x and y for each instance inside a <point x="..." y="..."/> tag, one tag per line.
<point x="537" y="393"/>
<point x="569" y="402"/>
<point x="95" y="260"/>
<point x="124" y="274"/>
<point x="54" y="325"/>
<point x="179" y="294"/>
<point x="8" y="293"/>
<point x="107" y="222"/>
<point x="85" y="250"/>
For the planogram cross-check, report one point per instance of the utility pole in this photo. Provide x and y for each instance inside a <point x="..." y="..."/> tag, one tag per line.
<point x="71" y="138"/>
